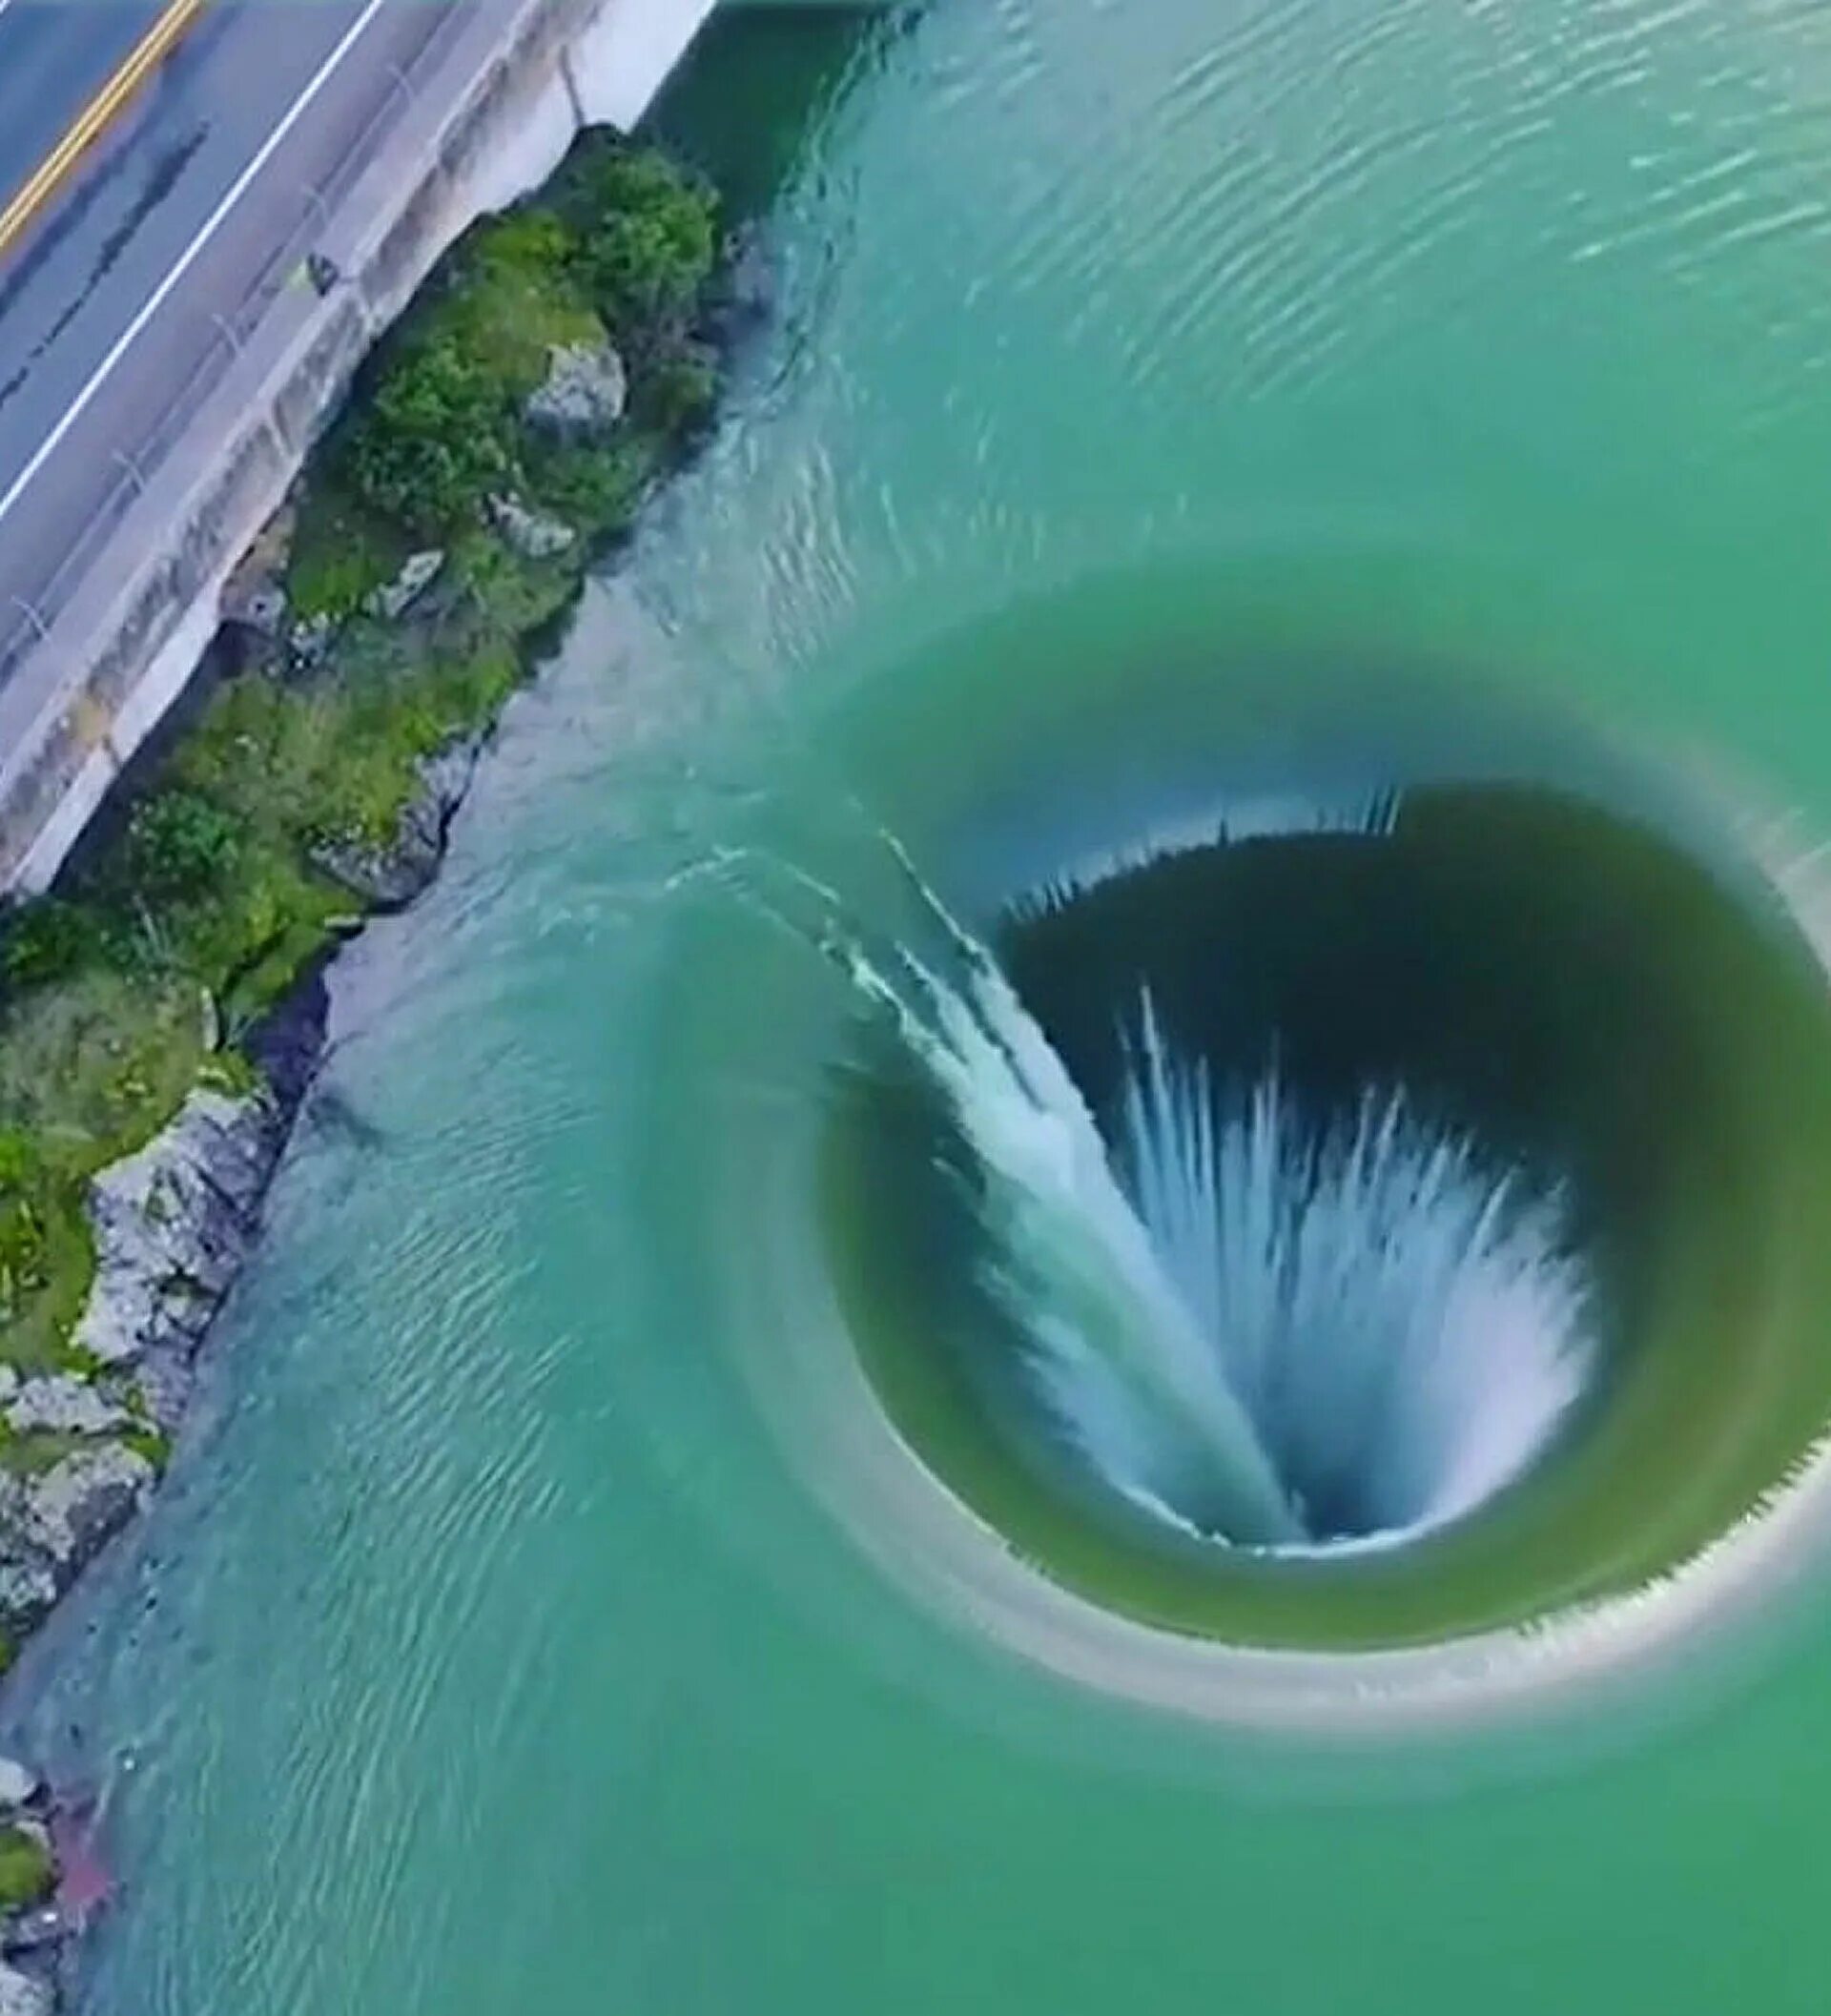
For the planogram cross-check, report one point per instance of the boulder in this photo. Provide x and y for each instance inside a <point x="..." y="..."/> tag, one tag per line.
<point x="389" y="877"/>
<point x="172" y="1222"/>
<point x="583" y="396"/>
<point x="27" y="1588"/>
<point x="65" y="1404"/>
<point x="82" y="1501"/>
<point x="18" y="1783"/>
<point x="23" y="1994"/>
<point x="531" y="534"/>
<point x="44" y="1925"/>
<point x="392" y="600"/>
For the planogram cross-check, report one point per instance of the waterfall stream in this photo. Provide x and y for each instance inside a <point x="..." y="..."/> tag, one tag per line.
<point x="1272" y="1334"/>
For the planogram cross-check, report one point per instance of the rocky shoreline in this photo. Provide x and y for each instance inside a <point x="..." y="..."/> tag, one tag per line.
<point x="52" y="1883"/>
<point x="174" y="1224"/>
<point x="88" y="1413"/>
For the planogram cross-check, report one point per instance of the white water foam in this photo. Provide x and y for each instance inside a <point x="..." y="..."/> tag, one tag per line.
<point x="1274" y="1340"/>
<point x="1366" y="813"/>
<point x="1405" y="1329"/>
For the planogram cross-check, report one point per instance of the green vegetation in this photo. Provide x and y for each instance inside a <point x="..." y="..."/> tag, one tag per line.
<point x="139" y="978"/>
<point x="26" y="1872"/>
<point x="148" y="1442"/>
<point x="621" y="247"/>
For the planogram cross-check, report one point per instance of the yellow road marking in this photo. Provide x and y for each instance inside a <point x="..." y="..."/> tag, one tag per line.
<point x="101" y="111"/>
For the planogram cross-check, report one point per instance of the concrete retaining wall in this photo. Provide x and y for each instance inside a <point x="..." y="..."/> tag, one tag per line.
<point x="493" y="121"/>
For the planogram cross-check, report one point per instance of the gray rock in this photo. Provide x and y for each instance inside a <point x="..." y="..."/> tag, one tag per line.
<point x="27" y="1588"/>
<point x="309" y="640"/>
<point x="418" y="572"/>
<point x="165" y="1379"/>
<point x="583" y="396"/>
<point x="390" y="877"/>
<point x="65" y="1404"/>
<point x="82" y="1501"/>
<point x="172" y="1222"/>
<point x="18" y="1783"/>
<point x="531" y="534"/>
<point x="23" y="1994"/>
<point x="45" y="1925"/>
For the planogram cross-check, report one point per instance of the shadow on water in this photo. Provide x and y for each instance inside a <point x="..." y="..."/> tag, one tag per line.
<point x="763" y="82"/>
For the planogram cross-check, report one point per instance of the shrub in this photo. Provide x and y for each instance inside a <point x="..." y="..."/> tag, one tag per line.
<point x="650" y="245"/>
<point x="531" y="240"/>
<point x="22" y="1226"/>
<point x="44" y="940"/>
<point x="597" y="489"/>
<point x="19" y="1160"/>
<point x="180" y="844"/>
<point x="678" y="393"/>
<point x="430" y="444"/>
<point x="25" y="1873"/>
<point x="22" y="1254"/>
<point x="150" y="1443"/>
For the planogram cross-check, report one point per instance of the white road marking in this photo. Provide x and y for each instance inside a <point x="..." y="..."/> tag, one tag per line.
<point x="211" y="224"/>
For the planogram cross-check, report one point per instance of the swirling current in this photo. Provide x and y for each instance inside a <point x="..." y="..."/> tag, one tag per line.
<point x="1083" y="1257"/>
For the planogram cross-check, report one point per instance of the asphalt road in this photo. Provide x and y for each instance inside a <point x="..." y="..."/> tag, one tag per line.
<point x="200" y="201"/>
<point x="54" y="59"/>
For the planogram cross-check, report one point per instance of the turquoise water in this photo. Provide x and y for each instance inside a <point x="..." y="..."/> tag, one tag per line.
<point x="502" y="1641"/>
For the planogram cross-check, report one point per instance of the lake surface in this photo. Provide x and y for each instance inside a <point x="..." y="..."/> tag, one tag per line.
<point x="499" y="1643"/>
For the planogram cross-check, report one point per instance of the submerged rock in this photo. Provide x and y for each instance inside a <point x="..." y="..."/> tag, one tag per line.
<point x="390" y="875"/>
<point x="531" y="534"/>
<point x="583" y="396"/>
<point x="744" y="296"/>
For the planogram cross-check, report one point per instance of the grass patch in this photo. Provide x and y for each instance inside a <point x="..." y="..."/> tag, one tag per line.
<point x="38" y="1450"/>
<point x="341" y="552"/>
<point x="149" y="1443"/>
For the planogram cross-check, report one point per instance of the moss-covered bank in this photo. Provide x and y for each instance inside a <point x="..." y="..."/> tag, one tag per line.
<point x="554" y="367"/>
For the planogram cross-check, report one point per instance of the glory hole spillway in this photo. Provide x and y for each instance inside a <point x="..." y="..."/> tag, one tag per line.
<point x="1254" y="1183"/>
<point x="1083" y="1258"/>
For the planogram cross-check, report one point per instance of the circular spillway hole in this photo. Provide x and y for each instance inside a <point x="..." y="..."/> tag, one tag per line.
<point x="1364" y="1217"/>
<point x="1334" y="1071"/>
